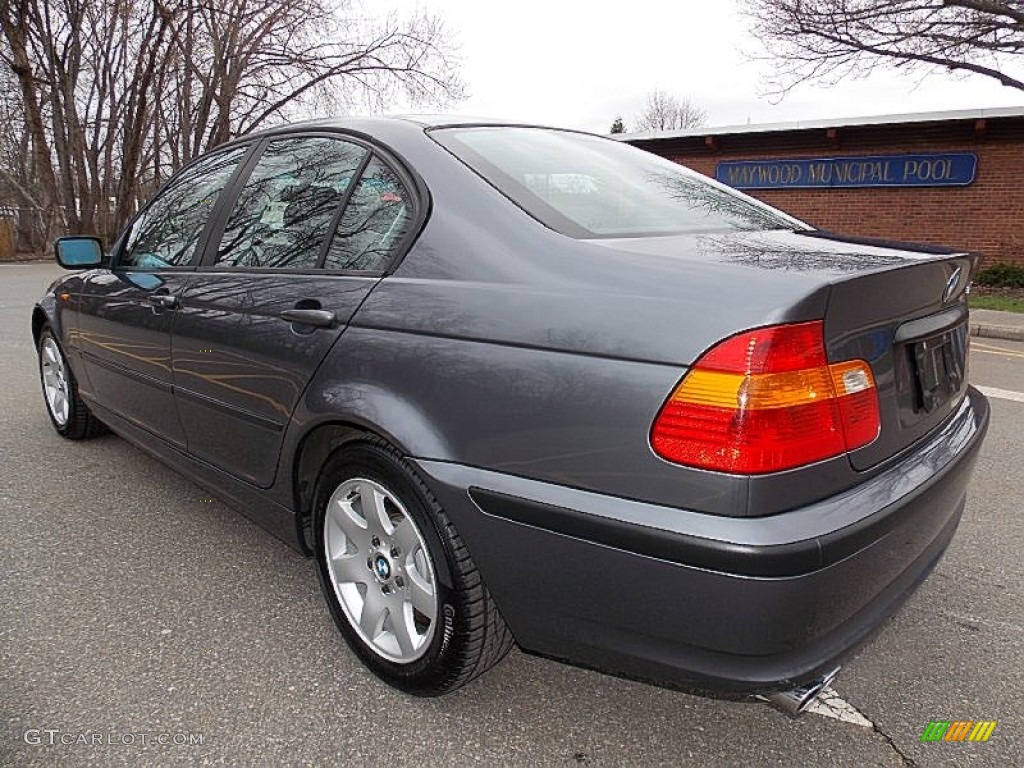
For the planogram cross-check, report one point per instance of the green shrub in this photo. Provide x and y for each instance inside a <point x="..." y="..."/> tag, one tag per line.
<point x="1002" y="275"/>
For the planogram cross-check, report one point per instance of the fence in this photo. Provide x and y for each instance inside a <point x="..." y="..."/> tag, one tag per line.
<point x="23" y="232"/>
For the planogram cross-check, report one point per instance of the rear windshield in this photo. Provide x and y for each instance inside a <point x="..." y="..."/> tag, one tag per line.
<point x="586" y="186"/>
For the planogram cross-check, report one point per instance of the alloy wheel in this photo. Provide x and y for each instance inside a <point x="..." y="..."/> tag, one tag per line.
<point x="55" y="381"/>
<point x="380" y="570"/>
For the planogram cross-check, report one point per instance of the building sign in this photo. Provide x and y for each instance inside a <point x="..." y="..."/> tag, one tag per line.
<point x="948" y="169"/>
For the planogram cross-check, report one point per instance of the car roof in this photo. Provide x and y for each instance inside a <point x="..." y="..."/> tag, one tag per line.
<point x="373" y="124"/>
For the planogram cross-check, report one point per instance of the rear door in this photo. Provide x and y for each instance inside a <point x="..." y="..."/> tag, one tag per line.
<point x="126" y="313"/>
<point x="307" y="237"/>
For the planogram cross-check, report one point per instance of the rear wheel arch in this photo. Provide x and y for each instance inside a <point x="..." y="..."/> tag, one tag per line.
<point x="314" y="449"/>
<point x="353" y="419"/>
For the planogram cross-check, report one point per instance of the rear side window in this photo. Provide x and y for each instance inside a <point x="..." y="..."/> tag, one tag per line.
<point x="166" y="233"/>
<point x="374" y="222"/>
<point x="284" y="212"/>
<point x="586" y="186"/>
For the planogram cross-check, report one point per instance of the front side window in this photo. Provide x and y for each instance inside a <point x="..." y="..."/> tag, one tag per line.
<point x="586" y="186"/>
<point x="167" y="232"/>
<point x="374" y="224"/>
<point x="285" y="209"/>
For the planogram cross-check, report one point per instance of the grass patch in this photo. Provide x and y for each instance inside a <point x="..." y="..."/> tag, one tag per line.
<point x="1001" y="303"/>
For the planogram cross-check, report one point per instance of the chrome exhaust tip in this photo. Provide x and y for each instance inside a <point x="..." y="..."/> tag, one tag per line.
<point x="796" y="700"/>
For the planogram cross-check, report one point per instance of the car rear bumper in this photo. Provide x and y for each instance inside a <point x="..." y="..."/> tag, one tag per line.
<point x="727" y="604"/>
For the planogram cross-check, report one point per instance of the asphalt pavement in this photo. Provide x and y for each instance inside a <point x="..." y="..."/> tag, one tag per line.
<point x="145" y="623"/>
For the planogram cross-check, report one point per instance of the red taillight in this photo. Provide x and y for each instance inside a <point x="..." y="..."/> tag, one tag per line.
<point x="767" y="400"/>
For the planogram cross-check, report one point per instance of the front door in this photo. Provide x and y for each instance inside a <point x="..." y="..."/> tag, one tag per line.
<point x="127" y="312"/>
<point x="271" y="299"/>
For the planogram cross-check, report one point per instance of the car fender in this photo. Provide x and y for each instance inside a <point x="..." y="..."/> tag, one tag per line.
<point x="370" y="407"/>
<point x="51" y="311"/>
<point x="45" y="313"/>
<point x="336" y="409"/>
<point x="342" y="400"/>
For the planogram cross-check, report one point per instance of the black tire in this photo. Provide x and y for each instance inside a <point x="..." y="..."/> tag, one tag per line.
<point x="471" y="636"/>
<point x="80" y="424"/>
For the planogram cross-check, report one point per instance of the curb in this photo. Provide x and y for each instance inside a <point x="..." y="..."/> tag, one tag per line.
<point x="1009" y="333"/>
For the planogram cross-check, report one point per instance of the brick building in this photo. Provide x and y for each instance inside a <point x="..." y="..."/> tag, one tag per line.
<point x="948" y="178"/>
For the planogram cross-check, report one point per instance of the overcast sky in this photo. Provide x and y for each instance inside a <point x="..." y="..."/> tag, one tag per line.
<point x="579" y="64"/>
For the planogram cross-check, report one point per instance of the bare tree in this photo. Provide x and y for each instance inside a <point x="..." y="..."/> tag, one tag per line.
<point x="245" y="62"/>
<point x="831" y="39"/>
<point x="665" y="112"/>
<point x="113" y="97"/>
<point x="19" y="193"/>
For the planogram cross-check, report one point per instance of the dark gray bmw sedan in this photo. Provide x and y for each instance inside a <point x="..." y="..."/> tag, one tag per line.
<point x="516" y="384"/>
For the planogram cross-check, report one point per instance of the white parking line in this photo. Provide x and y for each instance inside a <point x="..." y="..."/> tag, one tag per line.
<point x="829" y="704"/>
<point x="988" y="349"/>
<point x="1001" y="394"/>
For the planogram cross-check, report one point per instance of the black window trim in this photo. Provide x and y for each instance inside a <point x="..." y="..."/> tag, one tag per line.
<point x="118" y="249"/>
<point x="414" y="184"/>
<point x="332" y="228"/>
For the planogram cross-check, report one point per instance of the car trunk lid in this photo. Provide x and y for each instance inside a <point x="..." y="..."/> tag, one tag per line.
<point x="902" y="307"/>
<point x="910" y="324"/>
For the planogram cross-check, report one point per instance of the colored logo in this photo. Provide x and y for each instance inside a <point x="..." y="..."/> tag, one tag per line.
<point x="958" y="730"/>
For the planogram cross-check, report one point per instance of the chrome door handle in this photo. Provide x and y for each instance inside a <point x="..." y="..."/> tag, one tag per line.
<point x="321" y="318"/>
<point x="164" y="300"/>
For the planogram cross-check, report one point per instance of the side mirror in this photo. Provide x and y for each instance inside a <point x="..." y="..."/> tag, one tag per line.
<point x="82" y="252"/>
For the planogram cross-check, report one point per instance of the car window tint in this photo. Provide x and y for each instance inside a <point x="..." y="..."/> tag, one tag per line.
<point x="286" y="207"/>
<point x="167" y="231"/>
<point x="586" y="186"/>
<point x="374" y="222"/>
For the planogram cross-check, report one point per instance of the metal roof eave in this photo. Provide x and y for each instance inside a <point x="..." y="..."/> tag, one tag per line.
<point x="807" y="125"/>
